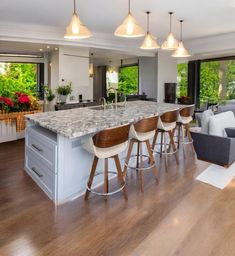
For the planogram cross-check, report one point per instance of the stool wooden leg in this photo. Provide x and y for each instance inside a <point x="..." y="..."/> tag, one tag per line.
<point x="161" y="145"/>
<point x="120" y="175"/>
<point x="106" y="177"/>
<point x="189" y="137"/>
<point x="179" y="128"/>
<point x="141" y="166"/>
<point x="138" y="155"/>
<point x="154" y="139"/>
<point x="91" y="177"/>
<point x="165" y="150"/>
<point x="128" y="158"/>
<point x="152" y="161"/>
<point x="172" y="142"/>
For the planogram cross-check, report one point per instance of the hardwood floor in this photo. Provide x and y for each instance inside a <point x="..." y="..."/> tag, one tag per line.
<point x="179" y="216"/>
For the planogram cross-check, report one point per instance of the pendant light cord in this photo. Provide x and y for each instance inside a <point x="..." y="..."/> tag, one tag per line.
<point x="170" y="19"/>
<point x="129" y="6"/>
<point x="181" y="30"/>
<point x="147" y="21"/>
<point x="74" y="6"/>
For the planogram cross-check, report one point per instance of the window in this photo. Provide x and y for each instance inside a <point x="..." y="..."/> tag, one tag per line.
<point x="217" y="80"/>
<point x="129" y="79"/>
<point x="182" y="79"/>
<point x="23" y="77"/>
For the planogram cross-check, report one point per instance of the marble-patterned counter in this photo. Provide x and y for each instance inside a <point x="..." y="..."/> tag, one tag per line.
<point x="78" y="122"/>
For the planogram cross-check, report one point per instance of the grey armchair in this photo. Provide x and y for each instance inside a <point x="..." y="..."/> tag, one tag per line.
<point x="214" y="149"/>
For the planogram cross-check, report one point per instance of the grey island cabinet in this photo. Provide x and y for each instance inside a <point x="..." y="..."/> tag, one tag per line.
<point x="54" y="154"/>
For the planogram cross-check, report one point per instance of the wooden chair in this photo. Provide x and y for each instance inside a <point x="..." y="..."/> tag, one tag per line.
<point x="183" y="122"/>
<point x="167" y="125"/>
<point x="108" y="143"/>
<point x="141" y="133"/>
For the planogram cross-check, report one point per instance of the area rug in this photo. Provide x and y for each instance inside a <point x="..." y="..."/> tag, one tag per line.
<point x="217" y="176"/>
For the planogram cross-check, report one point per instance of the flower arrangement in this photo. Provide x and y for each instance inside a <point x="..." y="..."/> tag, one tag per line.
<point x="18" y="102"/>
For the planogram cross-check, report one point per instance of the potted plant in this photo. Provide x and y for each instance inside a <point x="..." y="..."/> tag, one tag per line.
<point x="63" y="91"/>
<point x="49" y="96"/>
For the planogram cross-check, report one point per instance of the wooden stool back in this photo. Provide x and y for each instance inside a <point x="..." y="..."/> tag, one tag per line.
<point x="170" y="117"/>
<point x="187" y="111"/>
<point x="147" y="124"/>
<point x="112" y="136"/>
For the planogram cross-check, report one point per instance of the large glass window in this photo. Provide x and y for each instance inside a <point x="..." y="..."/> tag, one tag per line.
<point x="182" y="79"/>
<point x="217" y="80"/>
<point x="129" y="79"/>
<point x="20" y="77"/>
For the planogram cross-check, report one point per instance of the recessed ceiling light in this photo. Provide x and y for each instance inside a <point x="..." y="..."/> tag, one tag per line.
<point x="40" y="49"/>
<point x="56" y="49"/>
<point x="48" y="46"/>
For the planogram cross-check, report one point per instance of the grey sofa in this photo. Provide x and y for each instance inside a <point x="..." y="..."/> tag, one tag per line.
<point x="214" y="149"/>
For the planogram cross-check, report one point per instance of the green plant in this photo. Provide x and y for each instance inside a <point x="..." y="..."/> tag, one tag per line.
<point x="49" y="93"/>
<point x="128" y="80"/>
<point x="64" y="89"/>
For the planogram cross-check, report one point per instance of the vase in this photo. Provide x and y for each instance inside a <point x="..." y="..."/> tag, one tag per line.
<point x="63" y="98"/>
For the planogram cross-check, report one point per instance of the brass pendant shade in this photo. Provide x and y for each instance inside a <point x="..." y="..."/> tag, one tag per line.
<point x="171" y="43"/>
<point x="149" y="42"/>
<point x="129" y="27"/>
<point x="75" y="29"/>
<point x="181" y="51"/>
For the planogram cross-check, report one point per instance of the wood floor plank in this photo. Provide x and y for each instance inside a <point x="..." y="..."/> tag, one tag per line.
<point x="180" y="214"/>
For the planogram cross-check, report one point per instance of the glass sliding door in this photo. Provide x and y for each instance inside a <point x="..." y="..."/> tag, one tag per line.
<point x="217" y="80"/>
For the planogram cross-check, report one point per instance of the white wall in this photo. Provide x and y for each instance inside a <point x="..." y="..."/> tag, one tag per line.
<point x="148" y="76"/>
<point x="72" y="65"/>
<point x="166" y="72"/>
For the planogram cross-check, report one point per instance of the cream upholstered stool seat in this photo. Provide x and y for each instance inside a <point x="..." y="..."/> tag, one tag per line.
<point x="166" y="125"/>
<point x="140" y="133"/>
<point x="183" y="122"/>
<point x="106" y="144"/>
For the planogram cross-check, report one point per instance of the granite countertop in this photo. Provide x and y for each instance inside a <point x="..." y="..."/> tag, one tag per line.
<point x="74" y="123"/>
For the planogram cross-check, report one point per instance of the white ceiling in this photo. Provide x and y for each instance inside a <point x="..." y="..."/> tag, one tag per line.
<point x="202" y="17"/>
<point x="209" y="24"/>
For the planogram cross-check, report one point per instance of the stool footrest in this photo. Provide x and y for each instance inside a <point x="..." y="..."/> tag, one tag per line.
<point x="139" y="168"/>
<point x="93" y="191"/>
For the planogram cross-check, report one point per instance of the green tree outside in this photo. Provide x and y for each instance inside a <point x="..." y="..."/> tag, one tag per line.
<point x="128" y="80"/>
<point x="18" y="77"/>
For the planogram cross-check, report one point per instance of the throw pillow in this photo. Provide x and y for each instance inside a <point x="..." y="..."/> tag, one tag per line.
<point x="205" y="120"/>
<point x="218" y="123"/>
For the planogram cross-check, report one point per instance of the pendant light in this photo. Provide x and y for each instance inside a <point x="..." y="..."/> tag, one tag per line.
<point x="129" y="27"/>
<point x="181" y="51"/>
<point x="75" y="29"/>
<point x="149" y="42"/>
<point x="171" y="42"/>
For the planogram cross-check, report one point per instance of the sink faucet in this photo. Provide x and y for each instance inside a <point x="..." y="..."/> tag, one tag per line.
<point x="103" y="100"/>
<point x="116" y="95"/>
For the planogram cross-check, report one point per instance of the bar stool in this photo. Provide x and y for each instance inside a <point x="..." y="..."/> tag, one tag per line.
<point x="166" y="125"/>
<point x="140" y="133"/>
<point x="106" y="144"/>
<point x="183" y="122"/>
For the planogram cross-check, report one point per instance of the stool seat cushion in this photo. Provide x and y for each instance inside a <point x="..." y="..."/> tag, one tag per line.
<point x="166" y="126"/>
<point x="140" y="136"/>
<point x="104" y="152"/>
<point x="184" y="119"/>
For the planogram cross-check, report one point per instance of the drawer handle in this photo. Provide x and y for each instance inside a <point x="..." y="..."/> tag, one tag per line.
<point x="38" y="174"/>
<point x="37" y="148"/>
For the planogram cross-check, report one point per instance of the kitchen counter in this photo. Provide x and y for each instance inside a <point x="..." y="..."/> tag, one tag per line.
<point x="78" y="122"/>
<point x="54" y="155"/>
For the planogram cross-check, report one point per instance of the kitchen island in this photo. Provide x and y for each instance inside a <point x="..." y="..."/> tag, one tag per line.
<point x="54" y="156"/>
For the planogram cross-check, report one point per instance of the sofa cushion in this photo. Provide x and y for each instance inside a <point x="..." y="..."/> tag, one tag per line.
<point x="218" y="123"/>
<point x="205" y="120"/>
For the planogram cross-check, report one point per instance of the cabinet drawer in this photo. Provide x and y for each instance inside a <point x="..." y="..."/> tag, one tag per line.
<point x="42" y="146"/>
<point x="40" y="172"/>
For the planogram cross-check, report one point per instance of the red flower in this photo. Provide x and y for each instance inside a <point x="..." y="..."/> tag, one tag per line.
<point x="24" y="99"/>
<point x="7" y="101"/>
